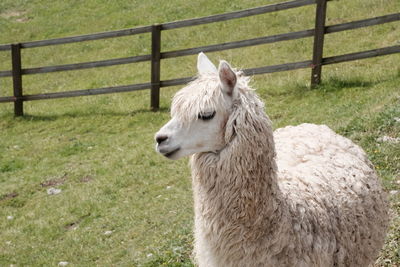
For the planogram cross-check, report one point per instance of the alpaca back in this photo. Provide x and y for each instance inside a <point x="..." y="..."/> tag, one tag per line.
<point x="335" y="199"/>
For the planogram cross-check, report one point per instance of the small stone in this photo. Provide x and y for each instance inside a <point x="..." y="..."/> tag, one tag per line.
<point x="8" y="242"/>
<point x="396" y="119"/>
<point x="388" y="139"/>
<point x="53" y="191"/>
<point x="10" y="217"/>
<point x="394" y="192"/>
<point x="149" y="255"/>
<point x="108" y="232"/>
<point x="63" y="263"/>
<point x="176" y="249"/>
<point x="169" y="187"/>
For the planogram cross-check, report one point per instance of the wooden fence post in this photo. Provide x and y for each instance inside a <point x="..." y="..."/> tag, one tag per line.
<point x="17" y="79"/>
<point x="155" y="66"/>
<point x="320" y="17"/>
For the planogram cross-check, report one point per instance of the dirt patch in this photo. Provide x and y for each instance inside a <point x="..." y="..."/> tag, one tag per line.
<point x="54" y="182"/>
<point x="75" y="225"/>
<point x="86" y="179"/>
<point x="17" y="15"/>
<point x="24" y="19"/>
<point x="8" y="196"/>
<point x="71" y="226"/>
<point x="12" y="13"/>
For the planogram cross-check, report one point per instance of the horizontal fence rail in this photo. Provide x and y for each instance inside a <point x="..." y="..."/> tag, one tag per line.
<point x="79" y="66"/>
<point x="300" y="64"/>
<point x="81" y="38"/>
<point x="212" y="48"/>
<point x="155" y="57"/>
<point x="86" y="92"/>
<point x="182" y="81"/>
<point x="237" y="14"/>
<point x="362" y="55"/>
<point x="166" y="26"/>
<point x="239" y="44"/>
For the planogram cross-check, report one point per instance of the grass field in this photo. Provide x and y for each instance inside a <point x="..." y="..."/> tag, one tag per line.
<point x="121" y="204"/>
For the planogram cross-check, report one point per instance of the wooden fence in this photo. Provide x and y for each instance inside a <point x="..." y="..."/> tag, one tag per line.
<point x="156" y="55"/>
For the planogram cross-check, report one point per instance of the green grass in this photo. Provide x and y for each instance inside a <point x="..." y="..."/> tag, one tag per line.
<point x="100" y="151"/>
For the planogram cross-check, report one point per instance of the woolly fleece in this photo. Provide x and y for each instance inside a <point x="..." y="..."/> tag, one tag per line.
<point x="299" y="196"/>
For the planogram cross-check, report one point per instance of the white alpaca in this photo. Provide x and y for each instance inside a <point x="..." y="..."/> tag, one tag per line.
<point x="301" y="196"/>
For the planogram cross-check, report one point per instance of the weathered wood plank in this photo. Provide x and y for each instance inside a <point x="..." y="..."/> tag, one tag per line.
<point x="5" y="47"/>
<point x="83" y="65"/>
<point x="237" y="14"/>
<point x="238" y="44"/>
<point x="87" y="65"/>
<point x="362" y="55"/>
<point x="87" y="37"/>
<point x="86" y="92"/>
<point x="5" y="99"/>
<point x="362" y="23"/>
<point x="278" y="68"/>
<point x="249" y="72"/>
<point x="5" y="73"/>
<point x="174" y="82"/>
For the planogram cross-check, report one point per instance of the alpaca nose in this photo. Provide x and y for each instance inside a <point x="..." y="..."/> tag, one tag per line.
<point x="161" y="138"/>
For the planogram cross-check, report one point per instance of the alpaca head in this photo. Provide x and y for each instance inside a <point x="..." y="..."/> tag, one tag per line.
<point x="200" y="112"/>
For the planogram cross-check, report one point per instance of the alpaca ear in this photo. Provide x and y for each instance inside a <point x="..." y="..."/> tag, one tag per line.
<point x="227" y="77"/>
<point x="204" y="65"/>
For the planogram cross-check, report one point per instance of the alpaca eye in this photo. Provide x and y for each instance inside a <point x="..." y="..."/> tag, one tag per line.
<point x="206" y="116"/>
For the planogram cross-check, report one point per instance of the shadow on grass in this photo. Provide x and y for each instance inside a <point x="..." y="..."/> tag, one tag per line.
<point x="329" y="85"/>
<point x="90" y="113"/>
<point x="334" y="84"/>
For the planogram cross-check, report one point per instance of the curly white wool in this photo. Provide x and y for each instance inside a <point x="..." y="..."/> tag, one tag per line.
<point x="299" y="196"/>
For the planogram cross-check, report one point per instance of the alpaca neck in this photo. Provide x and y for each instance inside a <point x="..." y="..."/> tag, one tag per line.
<point x="239" y="185"/>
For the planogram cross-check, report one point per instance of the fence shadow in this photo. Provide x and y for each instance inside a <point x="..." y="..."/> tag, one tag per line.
<point x="328" y="85"/>
<point x="333" y="84"/>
